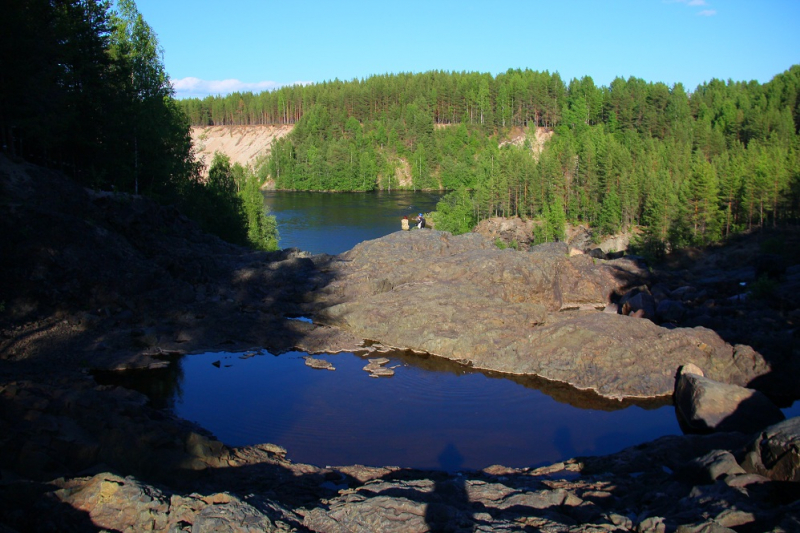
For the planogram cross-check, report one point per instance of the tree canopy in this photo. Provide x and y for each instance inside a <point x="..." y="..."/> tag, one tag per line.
<point x="85" y="91"/>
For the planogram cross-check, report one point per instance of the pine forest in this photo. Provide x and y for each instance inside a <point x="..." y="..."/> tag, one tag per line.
<point x="690" y="168"/>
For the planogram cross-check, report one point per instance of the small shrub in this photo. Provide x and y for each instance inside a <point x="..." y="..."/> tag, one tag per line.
<point x="763" y="288"/>
<point x="773" y="245"/>
<point x="653" y="249"/>
<point x="500" y="243"/>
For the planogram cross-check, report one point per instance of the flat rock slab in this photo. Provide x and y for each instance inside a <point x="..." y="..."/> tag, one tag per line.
<point x="464" y="299"/>
<point x="377" y="369"/>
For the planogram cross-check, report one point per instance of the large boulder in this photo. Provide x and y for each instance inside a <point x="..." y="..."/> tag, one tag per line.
<point x="524" y="313"/>
<point x="705" y="405"/>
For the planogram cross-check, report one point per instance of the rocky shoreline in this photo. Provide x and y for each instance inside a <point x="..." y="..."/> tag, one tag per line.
<point x="102" y="281"/>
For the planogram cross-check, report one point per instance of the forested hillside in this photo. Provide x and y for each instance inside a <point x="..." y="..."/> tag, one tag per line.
<point x="692" y="168"/>
<point x="84" y="91"/>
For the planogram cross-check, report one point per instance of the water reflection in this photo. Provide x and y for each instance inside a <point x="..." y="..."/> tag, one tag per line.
<point x="432" y="414"/>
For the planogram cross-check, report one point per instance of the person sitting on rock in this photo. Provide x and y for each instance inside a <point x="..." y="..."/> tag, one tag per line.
<point x="404" y="224"/>
<point x="420" y="221"/>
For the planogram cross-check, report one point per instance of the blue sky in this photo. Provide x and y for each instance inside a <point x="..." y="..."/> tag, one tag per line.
<point x="255" y="45"/>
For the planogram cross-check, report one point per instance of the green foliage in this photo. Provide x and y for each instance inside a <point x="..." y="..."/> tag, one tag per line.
<point x="230" y="205"/>
<point x="610" y="214"/>
<point x="262" y="228"/>
<point x="649" y="246"/>
<point x="763" y="288"/>
<point x="774" y="245"/>
<point x="555" y="222"/>
<point x="540" y="234"/>
<point x="500" y="243"/>
<point x="455" y="213"/>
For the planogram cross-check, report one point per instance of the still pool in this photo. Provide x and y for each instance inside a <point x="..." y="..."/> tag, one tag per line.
<point x="431" y="414"/>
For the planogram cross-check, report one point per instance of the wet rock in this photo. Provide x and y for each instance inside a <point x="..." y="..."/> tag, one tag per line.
<point x="775" y="452"/>
<point x="703" y="404"/>
<point x="319" y="364"/>
<point x="376" y="368"/>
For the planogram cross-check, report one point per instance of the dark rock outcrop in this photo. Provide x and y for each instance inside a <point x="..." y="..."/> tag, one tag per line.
<point x="522" y="313"/>
<point x="775" y="452"/>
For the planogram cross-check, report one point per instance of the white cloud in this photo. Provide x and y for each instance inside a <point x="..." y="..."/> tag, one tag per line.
<point x="696" y="2"/>
<point x="707" y="13"/>
<point x="196" y="88"/>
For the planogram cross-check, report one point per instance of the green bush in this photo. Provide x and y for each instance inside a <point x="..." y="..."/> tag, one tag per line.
<point x="455" y="213"/>
<point x="763" y="288"/>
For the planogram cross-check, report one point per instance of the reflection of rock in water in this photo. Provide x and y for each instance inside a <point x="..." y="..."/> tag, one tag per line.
<point x="561" y="392"/>
<point x="161" y="386"/>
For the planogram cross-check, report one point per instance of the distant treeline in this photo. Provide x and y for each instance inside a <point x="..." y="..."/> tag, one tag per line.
<point x="690" y="167"/>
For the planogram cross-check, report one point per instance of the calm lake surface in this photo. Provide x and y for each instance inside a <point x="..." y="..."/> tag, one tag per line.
<point x="333" y="223"/>
<point x="431" y="414"/>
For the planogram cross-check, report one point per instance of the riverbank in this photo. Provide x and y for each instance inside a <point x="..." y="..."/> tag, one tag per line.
<point x="102" y="281"/>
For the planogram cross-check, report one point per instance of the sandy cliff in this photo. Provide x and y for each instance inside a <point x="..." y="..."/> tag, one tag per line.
<point x="243" y="144"/>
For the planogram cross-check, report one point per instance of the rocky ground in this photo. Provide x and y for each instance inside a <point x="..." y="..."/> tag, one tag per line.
<point x="99" y="281"/>
<point x="546" y="312"/>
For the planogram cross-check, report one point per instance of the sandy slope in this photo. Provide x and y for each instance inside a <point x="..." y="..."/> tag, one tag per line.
<point x="243" y="144"/>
